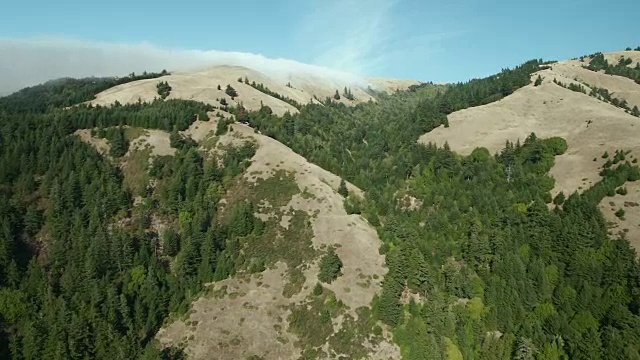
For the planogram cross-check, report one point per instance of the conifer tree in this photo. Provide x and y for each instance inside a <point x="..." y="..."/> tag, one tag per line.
<point x="342" y="188"/>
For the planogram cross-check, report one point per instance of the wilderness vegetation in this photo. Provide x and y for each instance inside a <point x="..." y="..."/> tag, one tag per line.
<point x="500" y="276"/>
<point x="65" y="92"/>
<point x="83" y="272"/>
<point x="498" y="271"/>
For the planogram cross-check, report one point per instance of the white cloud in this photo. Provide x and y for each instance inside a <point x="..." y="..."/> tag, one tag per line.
<point x="27" y="62"/>
<point x="352" y="35"/>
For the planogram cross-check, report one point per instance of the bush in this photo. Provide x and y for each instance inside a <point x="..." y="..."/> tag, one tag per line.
<point x="538" y="81"/>
<point x="223" y="126"/>
<point x="330" y="267"/>
<point x="557" y="145"/>
<point x="621" y="191"/>
<point x="342" y="189"/>
<point x="620" y="214"/>
<point x="231" y="91"/>
<point x="559" y="199"/>
<point x="318" y="289"/>
<point x="352" y="205"/>
<point x="164" y="89"/>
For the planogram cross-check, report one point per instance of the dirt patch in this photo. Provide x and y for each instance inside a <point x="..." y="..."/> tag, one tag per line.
<point x="629" y="224"/>
<point x="219" y="315"/>
<point x="135" y="170"/>
<point x="102" y="145"/>
<point x="202" y="130"/>
<point x="391" y="85"/>
<point x="156" y="140"/>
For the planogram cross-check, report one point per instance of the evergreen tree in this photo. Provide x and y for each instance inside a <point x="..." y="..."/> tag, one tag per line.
<point x="342" y="188"/>
<point x="538" y="81"/>
<point x="330" y="267"/>
<point x="231" y="91"/>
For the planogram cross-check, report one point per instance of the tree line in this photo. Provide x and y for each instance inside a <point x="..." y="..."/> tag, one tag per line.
<point x="65" y="92"/>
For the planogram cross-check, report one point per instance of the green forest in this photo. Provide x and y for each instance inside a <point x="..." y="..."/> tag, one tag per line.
<point x="65" y="92"/>
<point x="502" y="270"/>
<point x="99" y="284"/>
<point x="527" y="282"/>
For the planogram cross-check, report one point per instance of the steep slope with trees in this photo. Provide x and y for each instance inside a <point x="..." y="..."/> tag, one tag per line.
<point x="476" y="258"/>
<point x="65" y="92"/>
<point x="591" y="125"/>
<point x="284" y="267"/>
<point x="479" y="267"/>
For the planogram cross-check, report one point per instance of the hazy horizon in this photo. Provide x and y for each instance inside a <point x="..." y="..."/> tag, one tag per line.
<point x="404" y="39"/>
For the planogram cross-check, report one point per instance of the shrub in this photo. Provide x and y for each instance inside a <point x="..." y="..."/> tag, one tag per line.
<point x="164" y="89"/>
<point x="538" y="81"/>
<point x="559" y="199"/>
<point x="347" y="94"/>
<point x="352" y="205"/>
<point x="342" y="189"/>
<point x="318" y="289"/>
<point x="330" y="267"/>
<point x="231" y="91"/>
<point x="557" y="145"/>
<point x="620" y="214"/>
<point x="621" y="191"/>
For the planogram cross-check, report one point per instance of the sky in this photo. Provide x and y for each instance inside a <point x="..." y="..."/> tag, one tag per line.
<point x="440" y="41"/>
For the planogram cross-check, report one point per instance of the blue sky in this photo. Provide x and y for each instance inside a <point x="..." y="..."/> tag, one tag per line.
<point x="425" y="40"/>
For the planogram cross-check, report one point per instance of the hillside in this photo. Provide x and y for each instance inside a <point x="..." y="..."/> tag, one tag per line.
<point x="591" y="126"/>
<point x="168" y="228"/>
<point x="203" y="86"/>
<point x="287" y="282"/>
<point x="244" y="314"/>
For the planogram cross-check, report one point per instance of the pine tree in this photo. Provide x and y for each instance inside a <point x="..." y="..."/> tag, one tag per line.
<point x="231" y="91"/>
<point x="330" y="267"/>
<point x="342" y="189"/>
<point x="538" y="81"/>
<point x="171" y="242"/>
<point x="119" y="145"/>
